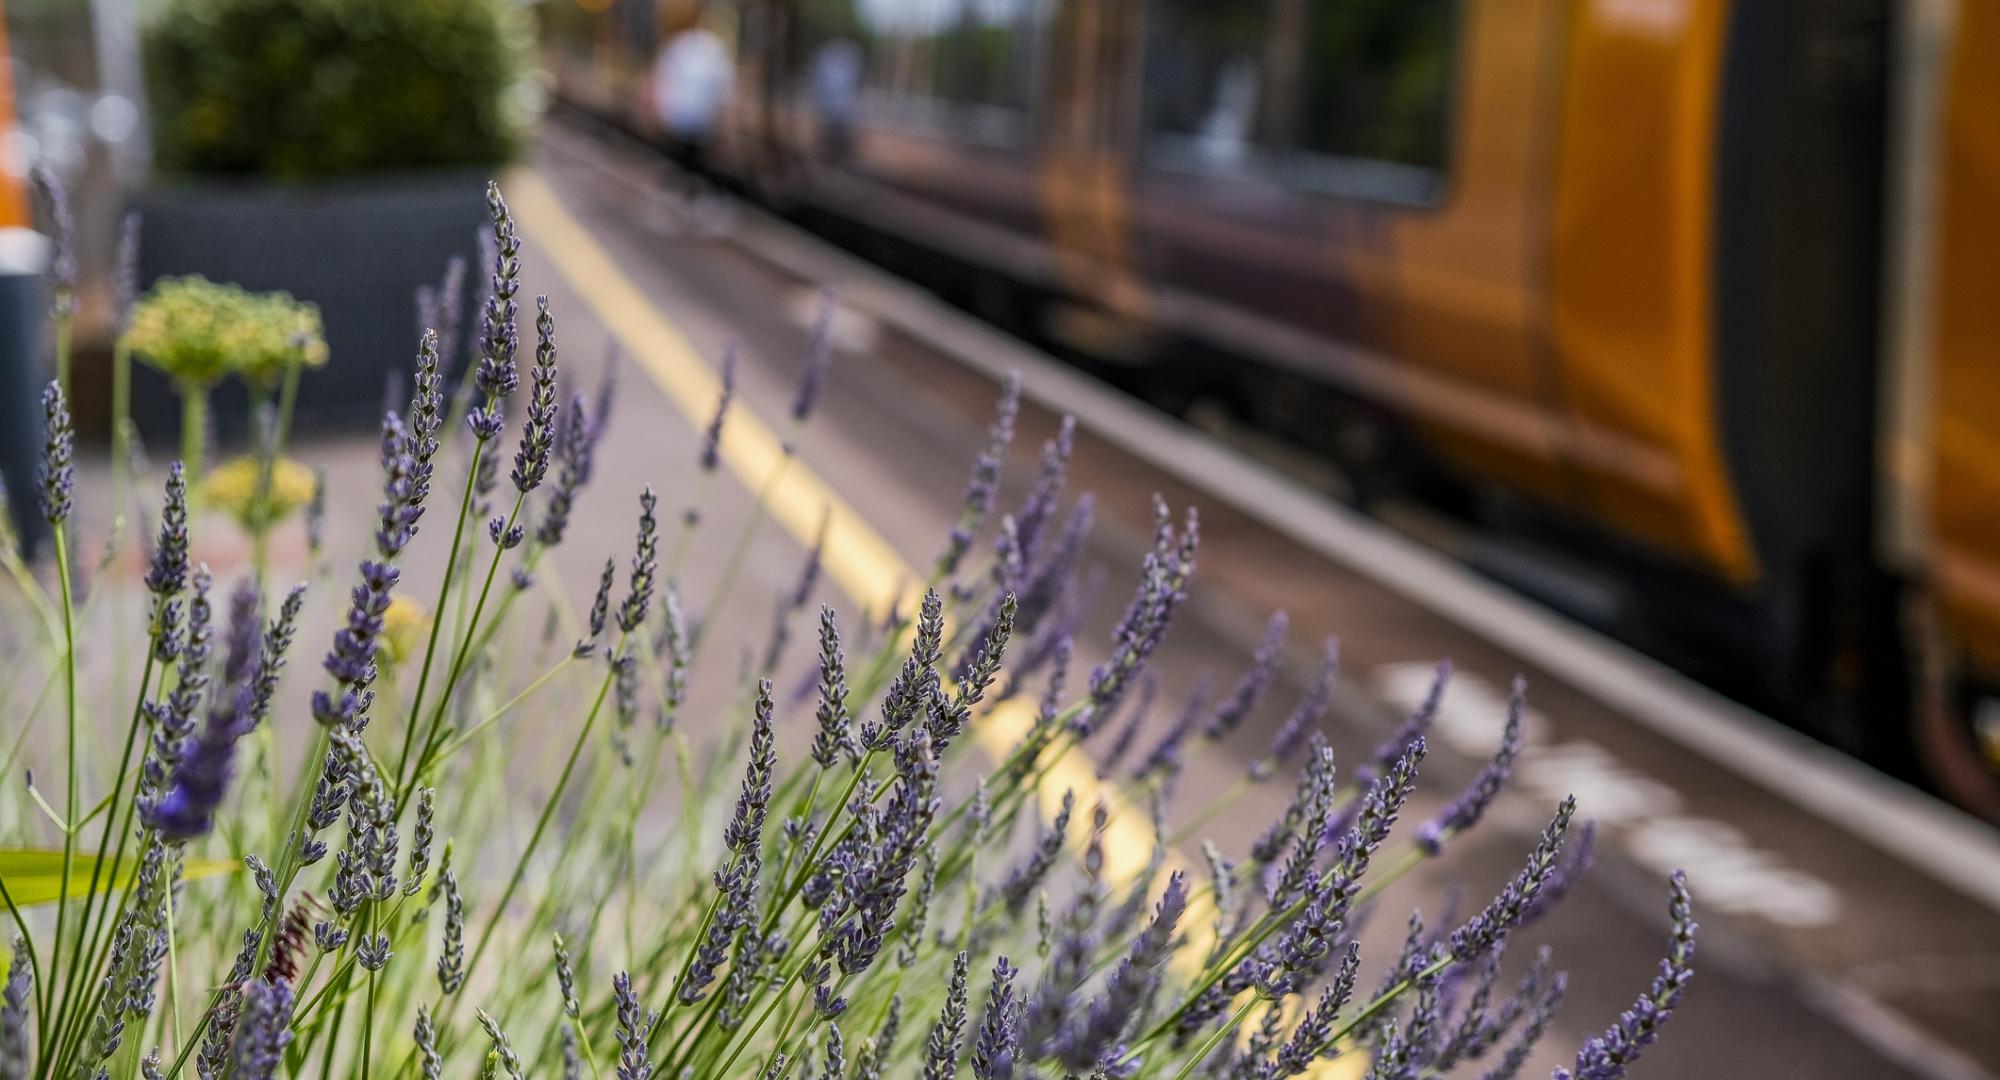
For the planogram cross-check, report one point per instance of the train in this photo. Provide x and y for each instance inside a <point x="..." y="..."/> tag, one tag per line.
<point x="1686" y="299"/>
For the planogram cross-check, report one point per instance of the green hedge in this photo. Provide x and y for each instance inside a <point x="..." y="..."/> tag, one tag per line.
<point x="307" y="89"/>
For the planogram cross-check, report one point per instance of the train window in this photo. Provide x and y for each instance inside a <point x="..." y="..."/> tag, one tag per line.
<point x="1344" y="96"/>
<point x="962" y="66"/>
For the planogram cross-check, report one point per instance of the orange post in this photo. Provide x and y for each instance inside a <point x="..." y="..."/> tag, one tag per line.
<point x="13" y="199"/>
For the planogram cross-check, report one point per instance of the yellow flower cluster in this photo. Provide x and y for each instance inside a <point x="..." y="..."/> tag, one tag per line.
<point x="404" y="627"/>
<point x="232" y="487"/>
<point x="196" y="331"/>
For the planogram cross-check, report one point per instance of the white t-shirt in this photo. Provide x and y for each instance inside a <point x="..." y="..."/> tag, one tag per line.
<point x="691" y="82"/>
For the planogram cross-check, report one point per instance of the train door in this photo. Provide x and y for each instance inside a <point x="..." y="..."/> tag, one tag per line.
<point x="1356" y="191"/>
<point x="1086" y="150"/>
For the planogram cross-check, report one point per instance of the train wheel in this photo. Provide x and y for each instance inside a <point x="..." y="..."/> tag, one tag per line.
<point x="1955" y="722"/>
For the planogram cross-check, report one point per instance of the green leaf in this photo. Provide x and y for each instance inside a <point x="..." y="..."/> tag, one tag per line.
<point x="34" y="875"/>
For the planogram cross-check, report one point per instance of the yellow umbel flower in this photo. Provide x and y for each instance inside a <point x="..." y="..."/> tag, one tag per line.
<point x="405" y="624"/>
<point x="232" y="487"/>
<point x="196" y="331"/>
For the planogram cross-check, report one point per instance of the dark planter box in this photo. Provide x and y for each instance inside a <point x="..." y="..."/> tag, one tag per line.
<point x="358" y="248"/>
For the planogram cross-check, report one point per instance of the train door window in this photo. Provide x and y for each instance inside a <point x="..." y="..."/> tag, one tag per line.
<point x="962" y="67"/>
<point x="1344" y="97"/>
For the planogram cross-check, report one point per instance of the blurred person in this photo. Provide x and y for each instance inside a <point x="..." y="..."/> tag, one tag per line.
<point x="835" y="83"/>
<point x="691" y="83"/>
<point x="1225" y="131"/>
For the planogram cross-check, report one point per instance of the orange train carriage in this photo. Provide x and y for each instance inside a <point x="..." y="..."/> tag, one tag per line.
<point x="1694" y="292"/>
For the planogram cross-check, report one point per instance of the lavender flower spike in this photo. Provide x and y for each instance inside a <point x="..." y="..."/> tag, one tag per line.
<point x="1464" y="812"/>
<point x="1306" y="716"/>
<point x="1249" y="689"/>
<point x="1607" y="1056"/>
<point x="169" y="570"/>
<point x="58" y="472"/>
<point x="711" y="443"/>
<point x="635" y="1027"/>
<point x="1505" y="911"/>
<point x="16" y="1056"/>
<point x="819" y="356"/>
<point x="264" y="1029"/>
<point x="984" y="482"/>
<point x="835" y="737"/>
<point x="202" y="775"/>
<point x="948" y="1034"/>
<point x="531" y="461"/>
<point x="645" y="559"/>
<point x="999" y="1042"/>
<point x="497" y="376"/>
<point x="574" y="447"/>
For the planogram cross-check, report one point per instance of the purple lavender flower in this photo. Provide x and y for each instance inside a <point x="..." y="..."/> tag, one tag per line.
<point x="1576" y="860"/>
<point x="351" y="661"/>
<point x="1464" y="811"/>
<point x="819" y="356"/>
<point x="753" y="803"/>
<point x="975" y="676"/>
<point x="174" y="722"/>
<point x="1412" y="728"/>
<point x="798" y="598"/>
<point x="1040" y="504"/>
<point x="531" y="460"/>
<point x="1165" y="758"/>
<point x="999" y="1042"/>
<point x="401" y="503"/>
<point x="835" y="1066"/>
<point x="645" y="560"/>
<point x="1022" y="881"/>
<point x="264" y="1030"/>
<point x="600" y="606"/>
<point x="497" y="375"/>
<point x="315" y="514"/>
<point x="168" y="573"/>
<point x="711" y="442"/>
<point x="201" y="776"/>
<point x="58" y="473"/>
<point x="1135" y="719"/>
<point x="1306" y="716"/>
<point x="1042" y="591"/>
<point x="425" y="1036"/>
<point x="835" y="737"/>
<point x="1543" y="1011"/>
<point x="917" y="683"/>
<point x="1092" y="1042"/>
<point x="1315" y="1028"/>
<point x="575" y="446"/>
<point x="1162" y="586"/>
<point x="1250" y="688"/>
<point x="426" y="423"/>
<point x="948" y="1034"/>
<point x="510" y="1062"/>
<point x="62" y="238"/>
<point x="451" y="960"/>
<point x="1304" y="944"/>
<point x="449" y="297"/>
<point x="1607" y="1056"/>
<point x="985" y="480"/>
<point x="16" y="1055"/>
<point x="635" y="1027"/>
<point x="1509" y="907"/>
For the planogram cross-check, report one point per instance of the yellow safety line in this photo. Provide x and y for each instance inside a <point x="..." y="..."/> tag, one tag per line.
<point x="856" y="557"/>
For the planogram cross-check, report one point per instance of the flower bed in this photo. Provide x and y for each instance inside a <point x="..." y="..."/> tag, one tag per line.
<point x="863" y="906"/>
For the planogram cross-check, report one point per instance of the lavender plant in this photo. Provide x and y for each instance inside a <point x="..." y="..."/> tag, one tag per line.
<point x="782" y="905"/>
